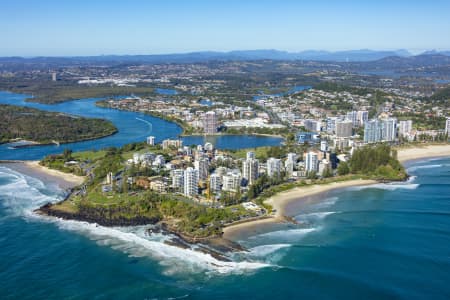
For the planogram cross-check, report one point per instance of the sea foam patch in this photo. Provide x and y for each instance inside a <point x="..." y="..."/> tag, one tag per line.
<point x="22" y="194"/>
<point x="134" y="242"/>
<point x="414" y="168"/>
<point x="285" y="236"/>
<point x="407" y="185"/>
<point x="314" y="215"/>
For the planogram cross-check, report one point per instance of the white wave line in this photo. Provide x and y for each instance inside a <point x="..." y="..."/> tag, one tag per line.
<point x="150" y="125"/>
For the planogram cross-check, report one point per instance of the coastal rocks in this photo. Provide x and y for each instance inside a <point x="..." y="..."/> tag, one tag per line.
<point x="217" y="247"/>
<point x="48" y="209"/>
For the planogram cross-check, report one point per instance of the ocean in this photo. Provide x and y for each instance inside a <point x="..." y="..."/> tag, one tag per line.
<point x="387" y="241"/>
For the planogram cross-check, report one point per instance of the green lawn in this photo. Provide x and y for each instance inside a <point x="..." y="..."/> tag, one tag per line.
<point x="88" y="155"/>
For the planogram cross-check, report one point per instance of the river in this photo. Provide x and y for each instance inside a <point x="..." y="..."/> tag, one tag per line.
<point x="132" y="126"/>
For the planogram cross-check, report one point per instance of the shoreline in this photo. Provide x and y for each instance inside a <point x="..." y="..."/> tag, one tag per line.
<point x="34" y="169"/>
<point x="185" y="129"/>
<point x="280" y="201"/>
<point x="37" y="144"/>
<point x="426" y="151"/>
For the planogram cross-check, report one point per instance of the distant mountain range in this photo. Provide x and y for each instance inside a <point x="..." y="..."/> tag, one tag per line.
<point x="363" y="55"/>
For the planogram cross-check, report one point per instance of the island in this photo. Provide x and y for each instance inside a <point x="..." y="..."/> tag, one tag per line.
<point x="28" y="126"/>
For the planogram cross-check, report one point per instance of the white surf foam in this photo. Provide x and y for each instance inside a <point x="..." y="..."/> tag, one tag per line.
<point x="263" y="251"/>
<point x="271" y="253"/>
<point x="325" y="203"/>
<point x="285" y="236"/>
<point x="174" y="259"/>
<point x="22" y="194"/>
<point x="414" y="168"/>
<point x="407" y="185"/>
<point x="315" y="215"/>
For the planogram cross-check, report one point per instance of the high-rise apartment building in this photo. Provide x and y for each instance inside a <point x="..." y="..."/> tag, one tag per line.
<point x="344" y="128"/>
<point x="190" y="182"/>
<point x="273" y="167"/>
<point x="210" y="122"/>
<point x="250" y="168"/>
<point x="311" y="162"/>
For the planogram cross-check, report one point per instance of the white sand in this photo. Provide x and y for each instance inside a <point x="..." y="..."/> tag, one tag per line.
<point x="405" y="154"/>
<point x="71" y="180"/>
<point x="281" y="200"/>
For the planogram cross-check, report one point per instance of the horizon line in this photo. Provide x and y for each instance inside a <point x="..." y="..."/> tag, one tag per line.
<point x="412" y="52"/>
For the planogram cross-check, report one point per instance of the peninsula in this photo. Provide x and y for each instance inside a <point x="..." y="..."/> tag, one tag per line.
<point x="196" y="192"/>
<point x="29" y="126"/>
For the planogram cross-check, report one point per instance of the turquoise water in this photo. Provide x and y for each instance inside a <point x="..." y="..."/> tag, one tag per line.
<point x="388" y="241"/>
<point x="132" y="126"/>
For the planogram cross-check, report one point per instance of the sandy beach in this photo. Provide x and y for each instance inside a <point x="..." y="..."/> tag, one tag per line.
<point x="405" y="154"/>
<point x="280" y="201"/>
<point x="33" y="169"/>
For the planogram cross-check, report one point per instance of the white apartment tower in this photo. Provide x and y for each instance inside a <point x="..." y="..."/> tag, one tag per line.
<point x="311" y="162"/>
<point x="210" y="122"/>
<point x="353" y="116"/>
<point x="215" y="182"/>
<point x="290" y="162"/>
<point x="190" y="182"/>
<point x="404" y="127"/>
<point x="273" y="167"/>
<point x="390" y="130"/>
<point x="250" y="168"/>
<point x="202" y="166"/>
<point x="151" y="140"/>
<point x="380" y="130"/>
<point x="178" y="179"/>
<point x="363" y="117"/>
<point x="231" y="182"/>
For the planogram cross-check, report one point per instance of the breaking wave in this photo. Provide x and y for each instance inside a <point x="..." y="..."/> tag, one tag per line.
<point x="314" y="215"/>
<point x="285" y="236"/>
<point x="414" y="168"/>
<point x="407" y="185"/>
<point x="22" y="194"/>
<point x="134" y="242"/>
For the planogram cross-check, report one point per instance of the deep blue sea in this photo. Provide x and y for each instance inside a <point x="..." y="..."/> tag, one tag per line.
<point x="387" y="241"/>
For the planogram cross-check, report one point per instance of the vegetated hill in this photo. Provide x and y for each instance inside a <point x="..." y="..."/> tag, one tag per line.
<point x="396" y="62"/>
<point x="443" y="95"/>
<point x="204" y="56"/>
<point x="18" y="122"/>
<point x="434" y="52"/>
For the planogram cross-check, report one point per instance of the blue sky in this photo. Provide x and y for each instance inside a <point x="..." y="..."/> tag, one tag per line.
<point x="81" y="27"/>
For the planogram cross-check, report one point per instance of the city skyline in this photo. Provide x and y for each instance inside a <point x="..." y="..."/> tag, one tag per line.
<point x="51" y="28"/>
